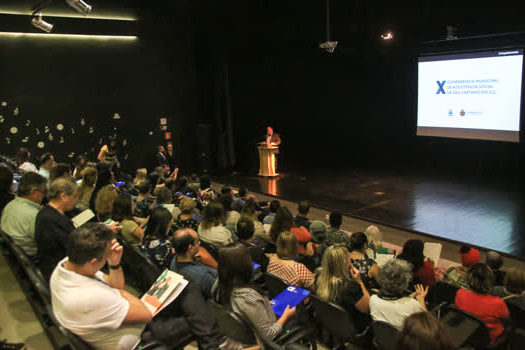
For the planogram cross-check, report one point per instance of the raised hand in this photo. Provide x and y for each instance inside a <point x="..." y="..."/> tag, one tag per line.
<point x="115" y="253"/>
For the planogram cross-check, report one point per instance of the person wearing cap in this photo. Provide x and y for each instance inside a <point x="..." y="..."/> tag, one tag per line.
<point x="47" y="161"/>
<point x="457" y="275"/>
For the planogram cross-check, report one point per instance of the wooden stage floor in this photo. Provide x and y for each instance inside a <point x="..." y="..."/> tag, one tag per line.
<point x="486" y="215"/>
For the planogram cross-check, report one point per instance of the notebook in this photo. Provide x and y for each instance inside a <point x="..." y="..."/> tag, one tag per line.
<point x="290" y="296"/>
<point x="433" y="251"/>
<point x="83" y="217"/>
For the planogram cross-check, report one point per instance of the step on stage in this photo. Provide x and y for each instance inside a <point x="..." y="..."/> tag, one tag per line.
<point x="485" y="215"/>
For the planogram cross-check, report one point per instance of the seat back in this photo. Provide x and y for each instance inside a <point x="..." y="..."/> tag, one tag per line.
<point x="308" y="261"/>
<point x="274" y="285"/>
<point x="140" y="271"/>
<point x="231" y="324"/>
<point x="517" y="313"/>
<point x="334" y="319"/>
<point x="385" y="335"/>
<point x="517" y="339"/>
<point x="464" y="328"/>
<point x="442" y="292"/>
<point x="214" y="252"/>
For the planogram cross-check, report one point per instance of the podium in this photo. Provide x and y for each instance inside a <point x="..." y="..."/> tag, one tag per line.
<point x="267" y="161"/>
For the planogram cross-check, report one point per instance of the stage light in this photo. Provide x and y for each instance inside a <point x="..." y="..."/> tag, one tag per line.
<point x="39" y="23"/>
<point x="67" y="36"/>
<point x="387" y="36"/>
<point x="452" y="32"/>
<point x="329" y="46"/>
<point x="80" y="6"/>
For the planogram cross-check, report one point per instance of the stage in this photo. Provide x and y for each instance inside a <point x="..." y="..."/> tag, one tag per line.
<point x="484" y="214"/>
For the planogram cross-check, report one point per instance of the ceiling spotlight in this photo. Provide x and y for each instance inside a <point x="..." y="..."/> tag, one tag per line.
<point x="39" y="23"/>
<point x="452" y="32"/>
<point x="387" y="36"/>
<point x="79" y="6"/>
<point x="329" y="46"/>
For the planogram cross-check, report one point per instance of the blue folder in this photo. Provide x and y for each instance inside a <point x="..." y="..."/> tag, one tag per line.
<point x="290" y="296"/>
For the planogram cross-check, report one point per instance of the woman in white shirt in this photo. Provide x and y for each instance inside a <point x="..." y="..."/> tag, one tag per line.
<point x="212" y="229"/>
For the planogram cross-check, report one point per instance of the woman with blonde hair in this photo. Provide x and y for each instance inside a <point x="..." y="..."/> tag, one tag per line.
<point x="283" y="266"/>
<point x="338" y="281"/>
<point x="140" y="175"/>
<point x="104" y="202"/>
<point x="89" y="179"/>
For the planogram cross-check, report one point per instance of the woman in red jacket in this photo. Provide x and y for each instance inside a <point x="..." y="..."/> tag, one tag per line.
<point x="423" y="270"/>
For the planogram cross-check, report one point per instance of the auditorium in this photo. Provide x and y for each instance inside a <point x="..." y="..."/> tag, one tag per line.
<point x="280" y="175"/>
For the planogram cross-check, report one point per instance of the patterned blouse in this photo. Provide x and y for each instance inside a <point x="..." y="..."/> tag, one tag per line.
<point x="142" y="208"/>
<point x="189" y="223"/>
<point x="364" y="265"/>
<point x="295" y="274"/>
<point x="159" y="251"/>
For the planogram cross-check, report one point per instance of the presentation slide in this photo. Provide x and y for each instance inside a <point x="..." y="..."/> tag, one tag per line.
<point x="470" y="95"/>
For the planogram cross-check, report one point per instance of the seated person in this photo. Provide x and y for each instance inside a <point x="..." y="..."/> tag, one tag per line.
<point x="206" y="194"/>
<point x="250" y="212"/>
<point x="422" y="330"/>
<point x="96" y="307"/>
<point x="163" y="195"/>
<point x="245" y="231"/>
<point x="145" y="201"/>
<point x="513" y="293"/>
<point x="104" y="202"/>
<point x="393" y="304"/>
<point x="23" y="161"/>
<point x="187" y="218"/>
<point x="47" y="161"/>
<point x="156" y="243"/>
<point x="423" y="269"/>
<point x="186" y="244"/>
<point x="140" y="175"/>
<point x="212" y="229"/>
<point x="53" y="226"/>
<point x="19" y="215"/>
<point x="334" y="233"/>
<point x="274" y="206"/>
<point x="457" y="275"/>
<point x="375" y="242"/>
<point x="477" y="300"/>
<point x="237" y="292"/>
<point x="284" y="222"/>
<point x="239" y="200"/>
<point x="338" y="281"/>
<point x="232" y="216"/>
<point x="6" y="187"/>
<point x="283" y="266"/>
<point x="86" y="187"/>
<point x="132" y="231"/>
<point x="301" y="218"/>
<point x="59" y="170"/>
<point x="494" y="261"/>
<point x="367" y="267"/>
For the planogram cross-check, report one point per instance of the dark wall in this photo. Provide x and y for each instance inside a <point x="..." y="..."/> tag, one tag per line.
<point x="62" y="81"/>
<point x="353" y="108"/>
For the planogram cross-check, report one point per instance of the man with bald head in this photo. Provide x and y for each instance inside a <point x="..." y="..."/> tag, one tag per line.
<point x="186" y="244"/>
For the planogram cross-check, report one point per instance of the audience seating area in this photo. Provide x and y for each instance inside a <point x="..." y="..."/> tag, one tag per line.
<point x="328" y="322"/>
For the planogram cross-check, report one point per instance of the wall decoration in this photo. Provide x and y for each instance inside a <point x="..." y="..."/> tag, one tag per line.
<point x="46" y="129"/>
<point x="4" y="103"/>
<point x="124" y="142"/>
<point x="61" y="139"/>
<point x="116" y="116"/>
<point x="82" y="122"/>
<point x="13" y="130"/>
<point x="25" y="139"/>
<point x="72" y="131"/>
<point x="37" y="131"/>
<point x="16" y="111"/>
<point x="28" y="122"/>
<point x="60" y="127"/>
<point x="8" y="140"/>
<point x="50" y="137"/>
<point x="40" y="144"/>
<point x="1" y="118"/>
<point x="151" y="133"/>
<point x="90" y="129"/>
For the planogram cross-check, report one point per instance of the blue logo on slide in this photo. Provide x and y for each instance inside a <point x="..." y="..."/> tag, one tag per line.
<point x="441" y="87"/>
<point x="450" y="113"/>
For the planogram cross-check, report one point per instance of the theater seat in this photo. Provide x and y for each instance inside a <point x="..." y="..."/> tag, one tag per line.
<point x="273" y="285"/>
<point x="336" y="321"/>
<point x="385" y="335"/>
<point x="140" y="272"/>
